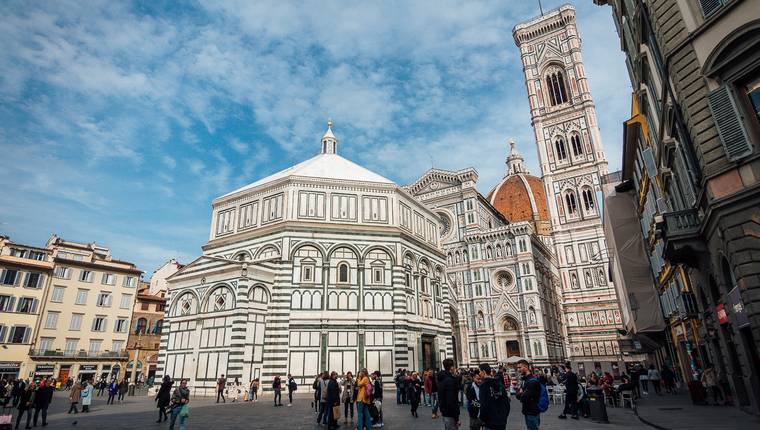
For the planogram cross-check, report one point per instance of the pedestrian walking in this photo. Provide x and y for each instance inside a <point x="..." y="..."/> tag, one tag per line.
<point x="529" y="395"/>
<point x="472" y="394"/>
<point x="654" y="377"/>
<point x="221" y="384"/>
<point x="42" y="400"/>
<point x="668" y="380"/>
<point x="333" y="401"/>
<point x="179" y="400"/>
<point x="163" y="398"/>
<point x="254" y="390"/>
<point x="87" y="391"/>
<point x="363" y="399"/>
<point x="414" y="391"/>
<point x="16" y="392"/>
<point x="397" y="382"/>
<point x="323" y="412"/>
<point x="75" y="396"/>
<point x="277" y="388"/>
<point x="26" y="404"/>
<point x="434" y="394"/>
<point x="571" y="393"/>
<point x="348" y="396"/>
<point x="113" y="389"/>
<point x="123" y="388"/>
<point x="317" y="387"/>
<point x="102" y="385"/>
<point x="494" y="399"/>
<point x="233" y="391"/>
<point x="447" y="383"/>
<point x="292" y="387"/>
<point x="377" y="397"/>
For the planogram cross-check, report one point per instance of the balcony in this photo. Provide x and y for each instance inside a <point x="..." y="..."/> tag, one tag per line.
<point x="81" y="355"/>
<point x="680" y="235"/>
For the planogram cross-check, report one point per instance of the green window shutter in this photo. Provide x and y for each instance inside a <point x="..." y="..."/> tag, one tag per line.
<point x="730" y="127"/>
<point x="710" y="6"/>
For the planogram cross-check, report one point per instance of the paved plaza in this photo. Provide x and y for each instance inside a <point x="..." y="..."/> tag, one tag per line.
<point x="140" y="413"/>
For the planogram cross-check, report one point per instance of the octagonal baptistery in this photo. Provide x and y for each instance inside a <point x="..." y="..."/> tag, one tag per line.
<point x="322" y="266"/>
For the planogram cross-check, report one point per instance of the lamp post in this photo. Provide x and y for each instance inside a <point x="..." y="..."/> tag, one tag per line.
<point x="133" y="373"/>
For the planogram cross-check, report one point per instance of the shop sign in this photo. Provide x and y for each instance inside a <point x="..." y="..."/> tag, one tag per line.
<point x="44" y="368"/>
<point x="720" y="311"/>
<point x="88" y="367"/>
<point x="9" y="366"/>
<point x="736" y="308"/>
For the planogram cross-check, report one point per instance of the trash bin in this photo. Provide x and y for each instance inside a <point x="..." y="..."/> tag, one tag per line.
<point x="596" y="405"/>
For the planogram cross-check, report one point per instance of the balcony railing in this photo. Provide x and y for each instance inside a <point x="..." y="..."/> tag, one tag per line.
<point x="681" y="237"/>
<point x="82" y="354"/>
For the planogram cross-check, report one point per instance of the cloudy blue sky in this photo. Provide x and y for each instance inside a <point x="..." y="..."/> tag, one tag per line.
<point x="120" y="122"/>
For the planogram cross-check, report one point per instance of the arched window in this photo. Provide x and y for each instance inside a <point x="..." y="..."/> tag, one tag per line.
<point x="142" y="323"/>
<point x="560" y="149"/>
<point x="464" y="256"/>
<point x="457" y="257"/>
<point x="572" y="205"/>
<point x="588" y="200"/>
<point x="555" y="84"/>
<point x="575" y="142"/>
<point x="159" y="327"/>
<point x="343" y="273"/>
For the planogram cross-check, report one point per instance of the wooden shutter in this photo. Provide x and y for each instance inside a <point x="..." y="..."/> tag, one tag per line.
<point x="710" y="6"/>
<point x="730" y="127"/>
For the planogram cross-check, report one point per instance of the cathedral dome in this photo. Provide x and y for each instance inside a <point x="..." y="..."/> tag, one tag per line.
<point x="519" y="196"/>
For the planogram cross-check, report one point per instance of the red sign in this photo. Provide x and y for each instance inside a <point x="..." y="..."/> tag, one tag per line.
<point x="720" y="311"/>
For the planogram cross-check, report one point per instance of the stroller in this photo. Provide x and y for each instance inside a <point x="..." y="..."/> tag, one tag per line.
<point x="6" y="413"/>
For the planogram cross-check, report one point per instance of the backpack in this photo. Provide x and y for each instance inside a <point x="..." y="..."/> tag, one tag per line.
<point x="543" y="397"/>
<point x="292" y="386"/>
<point x="368" y="390"/>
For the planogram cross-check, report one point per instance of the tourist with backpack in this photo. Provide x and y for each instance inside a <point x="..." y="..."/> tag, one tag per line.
<point x="494" y="399"/>
<point x="532" y="395"/>
<point x="292" y="387"/>
<point x="363" y="400"/>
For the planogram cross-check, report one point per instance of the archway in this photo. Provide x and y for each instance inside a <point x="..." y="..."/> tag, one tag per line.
<point x="509" y="338"/>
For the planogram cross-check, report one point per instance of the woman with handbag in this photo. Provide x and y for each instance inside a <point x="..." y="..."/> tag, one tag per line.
<point x="87" y="392"/>
<point x="180" y="399"/>
<point x="348" y="396"/>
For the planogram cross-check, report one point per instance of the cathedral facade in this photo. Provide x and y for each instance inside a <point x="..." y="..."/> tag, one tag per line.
<point x="324" y="265"/>
<point x="501" y="267"/>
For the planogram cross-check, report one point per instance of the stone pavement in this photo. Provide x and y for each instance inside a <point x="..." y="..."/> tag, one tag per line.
<point x="140" y="413"/>
<point x="675" y="412"/>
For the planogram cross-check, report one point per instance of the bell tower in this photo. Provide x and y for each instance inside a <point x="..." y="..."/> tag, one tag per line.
<point x="572" y="163"/>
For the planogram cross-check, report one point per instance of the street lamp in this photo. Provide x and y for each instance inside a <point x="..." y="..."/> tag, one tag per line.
<point x="133" y="373"/>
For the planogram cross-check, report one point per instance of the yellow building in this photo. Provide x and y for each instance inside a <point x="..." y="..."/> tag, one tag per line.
<point x="86" y="315"/>
<point x="25" y="272"/>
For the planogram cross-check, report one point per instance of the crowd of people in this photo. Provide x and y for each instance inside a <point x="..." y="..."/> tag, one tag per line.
<point x="483" y="393"/>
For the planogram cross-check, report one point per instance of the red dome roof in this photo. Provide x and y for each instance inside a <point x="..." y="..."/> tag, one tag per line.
<point x="520" y="197"/>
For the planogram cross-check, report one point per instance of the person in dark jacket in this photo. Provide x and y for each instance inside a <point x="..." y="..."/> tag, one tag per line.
<point x="17" y="391"/>
<point x="529" y="394"/>
<point x="448" y="383"/>
<point x="333" y="399"/>
<point x="42" y="400"/>
<point x="472" y="393"/>
<point x="414" y="390"/>
<point x="377" y="397"/>
<point x="123" y="388"/>
<point x="163" y="397"/>
<point x="494" y="399"/>
<point x="571" y="393"/>
<point x="25" y="405"/>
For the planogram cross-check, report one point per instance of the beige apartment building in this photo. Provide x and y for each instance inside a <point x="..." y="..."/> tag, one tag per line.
<point x="86" y="314"/>
<point x="145" y="333"/>
<point x="25" y="272"/>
